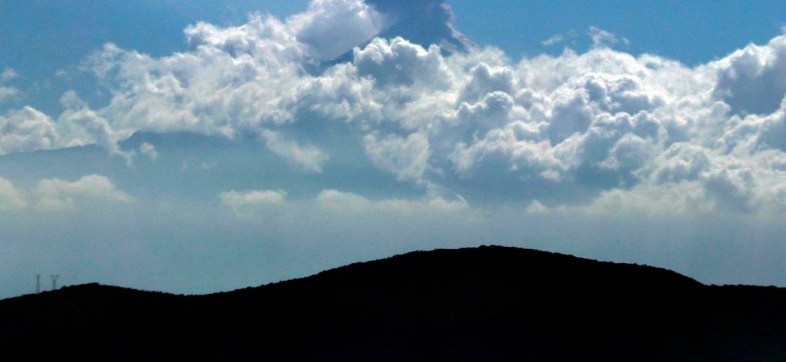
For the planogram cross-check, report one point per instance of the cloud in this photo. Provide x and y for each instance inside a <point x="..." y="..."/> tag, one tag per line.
<point x="31" y="130"/>
<point x="269" y="203"/>
<point x="333" y="27"/>
<point x="81" y="125"/>
<point x="565" y="130"/>
<point x="753" y="79"/>
<point x="424" y="22"/>
<point x="308" y="157"/>
<point x="7" y="93"/>
<point x="8" y="74"/>
<point x="399" y="62"/>
<point x="346" y="202"/>
<point x="552" y="40"/>
<point x="250" y="203"/>
<point x="27" y="130"/>
<point x="602" y="38"/>
<point x="149" y="151"/>
<point x="10" y="197"/>
<point x="684" y="198"/>
<point x="56" y="194"/>
<point x="405" y="157"/>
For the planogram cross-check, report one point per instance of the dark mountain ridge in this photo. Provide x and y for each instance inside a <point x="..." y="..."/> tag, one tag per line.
<point x="487" y="303"/>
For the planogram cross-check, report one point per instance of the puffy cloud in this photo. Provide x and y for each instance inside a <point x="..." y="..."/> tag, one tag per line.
<point x="265" y="39"/>
<point x="10" y="197"/>
<point x="753" y="79"/>
<point x="400" y="62"/>
<point x="80" y="125"/>
<point x="405" y="157"/>
<point x="30" y="130"/>
<point x="333" y="27"/>
<point x="250" y="203"/>
<point x="590" y="122"/>
<point x="510" y="148"/>
<point x="486" y="79"/>
<point x="308" y="157"/>
<point x="682" y="161"/>
<point x="342" y="201"/>
<point x="26" y="130"/>
<point x="567" y="130"/>
<point x="149" y="151"/>
<point x="56" y="194"/>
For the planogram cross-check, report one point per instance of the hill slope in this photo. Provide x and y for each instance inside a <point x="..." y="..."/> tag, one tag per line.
<point x="487" y="303"/>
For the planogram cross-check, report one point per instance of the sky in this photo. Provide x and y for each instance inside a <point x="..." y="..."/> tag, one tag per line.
<point x="203" y="146"/>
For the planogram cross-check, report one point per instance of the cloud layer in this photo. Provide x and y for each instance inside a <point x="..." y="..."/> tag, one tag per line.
<point x="603" y="131"/>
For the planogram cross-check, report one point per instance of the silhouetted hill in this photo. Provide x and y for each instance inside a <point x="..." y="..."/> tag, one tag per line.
<point x="480" y="304"/>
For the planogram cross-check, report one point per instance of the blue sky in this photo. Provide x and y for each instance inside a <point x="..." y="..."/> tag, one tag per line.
<point x="689" y="31"/>
<point x="198" y="146"/>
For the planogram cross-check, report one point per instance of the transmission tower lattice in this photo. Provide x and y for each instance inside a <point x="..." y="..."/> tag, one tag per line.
<point x="54" y="281"/>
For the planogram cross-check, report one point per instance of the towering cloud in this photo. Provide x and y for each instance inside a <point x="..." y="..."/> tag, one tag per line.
<point x="430" y="109"/>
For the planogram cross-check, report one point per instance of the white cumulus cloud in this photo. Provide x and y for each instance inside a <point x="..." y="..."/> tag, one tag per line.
<point x="27" y="129"/>
<point x="333" y="27"/>
<point x="565" y="130"/>
<point x="249" y="203"/>
<point x="309" y="158"/>
<point x="56" y="194"/>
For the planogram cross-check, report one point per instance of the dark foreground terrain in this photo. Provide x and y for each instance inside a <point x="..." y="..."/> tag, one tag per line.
<point x="481" y="304"/>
